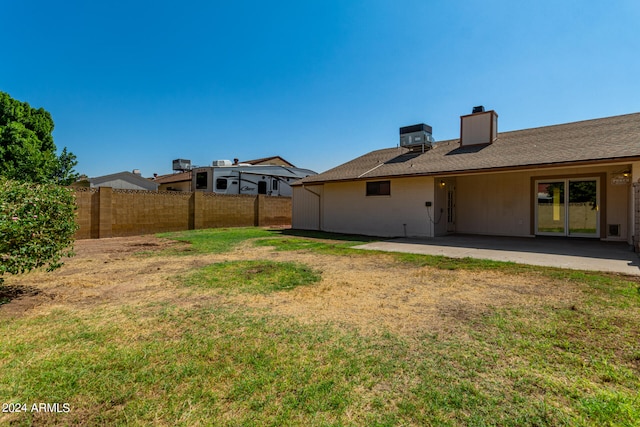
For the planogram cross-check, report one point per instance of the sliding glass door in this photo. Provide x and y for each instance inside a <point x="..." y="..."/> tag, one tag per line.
<point x="568" y="207"/>
<point x="550" y="208"/>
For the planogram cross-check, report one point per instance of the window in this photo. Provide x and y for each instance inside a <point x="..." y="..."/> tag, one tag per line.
<point x="274" y="185"/>
<point x="379" y="188"/>
<point x="262" y="187"/>
<point x="221" y="184"/>
<point x="201" y="180"/>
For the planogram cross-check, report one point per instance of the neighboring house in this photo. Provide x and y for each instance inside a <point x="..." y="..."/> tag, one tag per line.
<point x="275" y="160"/>
<point x="124" y="181"/>
<point x="570" y="179"/>
<point x="180" y="181"/>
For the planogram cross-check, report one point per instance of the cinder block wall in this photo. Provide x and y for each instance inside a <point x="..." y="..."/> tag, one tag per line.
<point x="274" y="211"/>
<point x="87" y="202"/>
<point x="145" y="212"/>
<point x="220" y="210"/>
<point x="106" y="212"/>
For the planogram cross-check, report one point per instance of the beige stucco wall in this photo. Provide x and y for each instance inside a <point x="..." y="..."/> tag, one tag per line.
<point x="346" y="208"/>
<point x="496" y="204"/>
<point x="500" y="203"/>
<point x="635" y="177"/>
<point x="306" y="207"/>
<point x="490" y="204"/>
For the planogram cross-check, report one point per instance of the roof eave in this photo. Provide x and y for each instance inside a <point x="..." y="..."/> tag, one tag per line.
<point x="479" y="171"/>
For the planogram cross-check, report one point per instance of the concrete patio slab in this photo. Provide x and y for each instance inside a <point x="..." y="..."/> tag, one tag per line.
<point x="577" y="254"/>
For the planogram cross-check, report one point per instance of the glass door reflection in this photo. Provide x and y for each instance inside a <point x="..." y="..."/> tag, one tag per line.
<point x="583" y="208"/>
<point x="551" y="212"/>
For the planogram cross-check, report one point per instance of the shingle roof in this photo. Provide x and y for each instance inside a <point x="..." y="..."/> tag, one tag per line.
<point x="266" y="159"/>
<point x="125" y="176"/>
<point x="611" y="138"/>
<point x="173" y="177"/>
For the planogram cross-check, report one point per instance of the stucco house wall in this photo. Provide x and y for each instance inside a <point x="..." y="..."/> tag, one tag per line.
<point x="501" y="203"/>
<point x="307" y="207"/>
<point x="347" y="209"/>
<point x="493" y="204"/>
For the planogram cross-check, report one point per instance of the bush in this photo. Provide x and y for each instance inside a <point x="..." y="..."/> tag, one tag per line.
<point x="37" y="224"/>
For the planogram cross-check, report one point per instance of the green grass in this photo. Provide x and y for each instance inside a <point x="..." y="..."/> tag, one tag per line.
<point x="170" y="365"/>
<point x="221" y="363"/>
<point x="287" y="243"/>
<point x="607" y="282"/>
<point x="200" y="367"/>
<point x="252" y="276"/>
<point x="219" y="240"/>
<point x="215" y="240"/>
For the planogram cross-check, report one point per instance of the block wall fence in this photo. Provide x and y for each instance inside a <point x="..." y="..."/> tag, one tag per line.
<point x="106" y="212"/>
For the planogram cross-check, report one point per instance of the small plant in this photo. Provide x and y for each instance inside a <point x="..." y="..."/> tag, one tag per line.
<point x="37" y="225"/>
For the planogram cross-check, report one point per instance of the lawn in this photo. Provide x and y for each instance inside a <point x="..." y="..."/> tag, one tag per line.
<point x="254" y="327"/>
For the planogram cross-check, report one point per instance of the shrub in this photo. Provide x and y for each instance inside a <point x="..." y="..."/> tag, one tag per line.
<point x="37" y="224"/>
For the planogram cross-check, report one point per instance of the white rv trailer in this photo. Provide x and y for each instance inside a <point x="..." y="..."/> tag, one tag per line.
<point x="223" y="177"/>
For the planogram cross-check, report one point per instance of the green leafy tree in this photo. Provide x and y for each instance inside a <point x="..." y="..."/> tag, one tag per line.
<point x="64" y="174"/>
<point x="37" y="219"/>
<point x="27" y="150"/>
<point x="37" y="224"/>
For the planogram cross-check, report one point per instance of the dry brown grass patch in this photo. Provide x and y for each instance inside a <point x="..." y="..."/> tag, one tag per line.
<point x="367" y="292"/>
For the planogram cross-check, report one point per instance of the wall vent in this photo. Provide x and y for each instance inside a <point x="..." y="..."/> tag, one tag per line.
<point x="614" y="230"/>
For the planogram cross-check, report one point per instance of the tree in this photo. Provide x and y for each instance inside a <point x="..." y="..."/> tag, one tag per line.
<point x="37" y="224"/>
<point x="64" y="173"/>
<point x="27" y="150"/>
<point x="37" y="218"/>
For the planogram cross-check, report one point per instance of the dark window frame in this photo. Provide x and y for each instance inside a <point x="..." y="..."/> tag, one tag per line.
<point x="202" y="183"/>
<point x="378" y="188"/>
<point x="222" y="184"/>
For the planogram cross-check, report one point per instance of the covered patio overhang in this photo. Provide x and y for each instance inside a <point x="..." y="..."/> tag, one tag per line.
<point x="580" y="200"/>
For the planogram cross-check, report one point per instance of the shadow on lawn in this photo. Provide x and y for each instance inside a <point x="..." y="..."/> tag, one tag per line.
<point x="325" y="235"/>
<point x="9" y="293"/>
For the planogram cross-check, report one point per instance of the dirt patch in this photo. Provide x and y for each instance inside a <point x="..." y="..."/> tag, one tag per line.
<point x="369" y="292"/>
<point x="376" y="294"/>
<point x="10" y="293"/>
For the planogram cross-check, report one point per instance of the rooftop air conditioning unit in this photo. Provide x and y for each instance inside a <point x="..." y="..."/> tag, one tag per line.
<point x="416" y="136"/>
<point x="221" y="163"/>
<point x="181" y="165"/>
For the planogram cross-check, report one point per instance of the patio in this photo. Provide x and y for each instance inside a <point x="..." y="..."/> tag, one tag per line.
<point x="574" y="253"/>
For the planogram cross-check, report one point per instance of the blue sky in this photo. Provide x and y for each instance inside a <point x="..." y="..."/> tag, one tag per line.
<point x="136" y="84"/>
